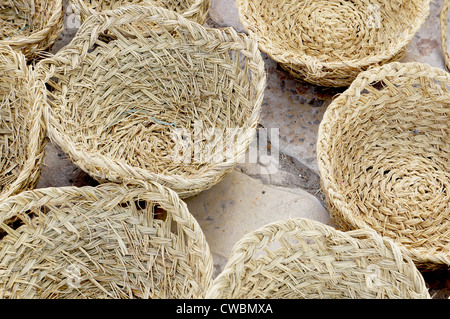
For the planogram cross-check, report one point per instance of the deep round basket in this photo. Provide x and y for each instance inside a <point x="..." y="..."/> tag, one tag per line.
<point x="384" y="156"/>
<point x="171" y="102"/>
<point x="195" y="10"/>
<point x="329" y="42"/>
<point x="22" y="128"/>
<point x="31" y="26"/>
<point x="305" y="259"/>
<point x="104" y="242"/>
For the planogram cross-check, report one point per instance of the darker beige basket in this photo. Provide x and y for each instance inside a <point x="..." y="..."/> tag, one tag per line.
<point x="172" y="102"/>
<point x="329" y="42"/>
<point x="383" y="153"/>
<point x="31" y="26"/>
<point x="305" y="259"/>
<point x="104" y="242"/>
<point x="195" y="10"/>
<point x="22" y="128"/>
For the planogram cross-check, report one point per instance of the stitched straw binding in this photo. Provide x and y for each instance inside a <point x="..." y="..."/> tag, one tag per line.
<point x="329" y="42"/>
<point x="172" y="102"/>
<point x="22" y="128"/>
<point x="31" y="26"/>
<point x="383" y="153"/>
<point x="195" y="10"/>
<point x="101" y="242"/>
<point x="305" y="259"/>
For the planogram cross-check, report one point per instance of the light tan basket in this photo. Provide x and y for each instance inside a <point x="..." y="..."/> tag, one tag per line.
<point x="31" y="26"/>
<point x="329" y="42"/>
<point x="443" y="24"/>
<point x="109" y="241"/>
<point x="179" y="105"/>
<point x="22" y="128"/>
<point x="305" y="259"/>
<point x="195" y="10"/>
<point x="384" y="156"/>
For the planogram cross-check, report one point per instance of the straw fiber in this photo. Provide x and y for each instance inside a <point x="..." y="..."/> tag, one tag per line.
<point x="171" y="102"/>
<point x="108" y="241"/>
<point x="22" y="128"/>
<point x="305" y="259"/>
<point x="384" y="158"/>
<point x="195" y="10"/>
<point x="444" y="24"/>
<point x="31" y="26"/>
<point x="329" y="42"/>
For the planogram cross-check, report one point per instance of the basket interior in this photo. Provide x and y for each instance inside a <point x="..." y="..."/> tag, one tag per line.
<point x="390" y="158"/>
<point x="164" y="101"/>
<point x="178" y="6"/>
<point x="330" y="30"/>
<point x="23" y="17"/>
<point x="83" y="248"/>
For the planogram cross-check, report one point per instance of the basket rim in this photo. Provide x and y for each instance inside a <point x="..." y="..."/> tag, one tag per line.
<point x="244" y="249"/>
<point x="69" y="58"/>
<point x="303" y="60"/>
<point x="36" y="138"/>
<point x="329" y="185"/>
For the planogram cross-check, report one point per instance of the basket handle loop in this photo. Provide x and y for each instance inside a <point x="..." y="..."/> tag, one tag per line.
<point x="443" y="21"/>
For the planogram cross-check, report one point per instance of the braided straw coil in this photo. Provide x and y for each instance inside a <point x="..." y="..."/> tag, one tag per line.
<point x="174" y="102"/>
<point x="384" y="158"/>
<point x="329" y="42"/>
<point x="305" y="259"/>
<point x="22" y="128"/>
<point x="444" y="24"/>
<point x="104" y="242"/>
<point x="195" y="10"/>
<point x="31" y="26"/>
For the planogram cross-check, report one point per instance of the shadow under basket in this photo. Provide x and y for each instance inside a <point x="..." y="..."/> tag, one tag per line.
<point x="329" y="42"/>
<point x="104" y="242"/>
<point x="305" y="259"/>
<point x="383" y="153"/>
<point x="167" y="101"/>
<point x="22" y="127"/>
<point x="31" y="26"/>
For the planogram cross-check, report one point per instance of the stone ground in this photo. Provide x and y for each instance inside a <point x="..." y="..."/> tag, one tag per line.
<point x="261" y="192"/>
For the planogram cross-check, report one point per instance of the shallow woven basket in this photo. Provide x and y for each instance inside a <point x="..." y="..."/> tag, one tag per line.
<point x="305" y="259"/>
<point x="195" y="10"/>
<point x="443" y="24"/>
<point x="179" y="105"/>
<point x="22" y="128"/>
<point x="108" y="241"/>
<point x="329" y="42"/>
<point x="31" y="26"/>
<point x="384" y="158"/>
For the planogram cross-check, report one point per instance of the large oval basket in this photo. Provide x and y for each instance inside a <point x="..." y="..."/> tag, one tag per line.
<point x="195" y="10"/>
<point x="305" y="259"/>
<point x="101" y="242"/>
<point x="172" y="102"/>
<point x="31" y="26"/>
<point x="384" y="158"/>
<point x="329" y="42"/>
<point x="22" y="128"/>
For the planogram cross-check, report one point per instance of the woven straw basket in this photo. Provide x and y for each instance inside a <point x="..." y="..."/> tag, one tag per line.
<point x="305" y="259"/>
<point x="195" y="10"/>
<point x="384" y="158"/>
<point x="104" y="242"/>
<point x="179" y="106"/>
<point x="31" y="26"/>
<point x="329" y="42"/>
<point x="444" y="23"/>
<point x="22" y="129"/>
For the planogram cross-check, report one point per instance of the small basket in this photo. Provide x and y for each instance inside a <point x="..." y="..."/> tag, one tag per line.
<point x="195" y="10"/>
<point x="305" y="259"/>
<point x="172" y="102"/>
<point x="31" y="26"/>
<point x="104" y="242"/>
<point x="383" y="153"/>
<point x="22" y="128"/>
<point x="329" y="42"/>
